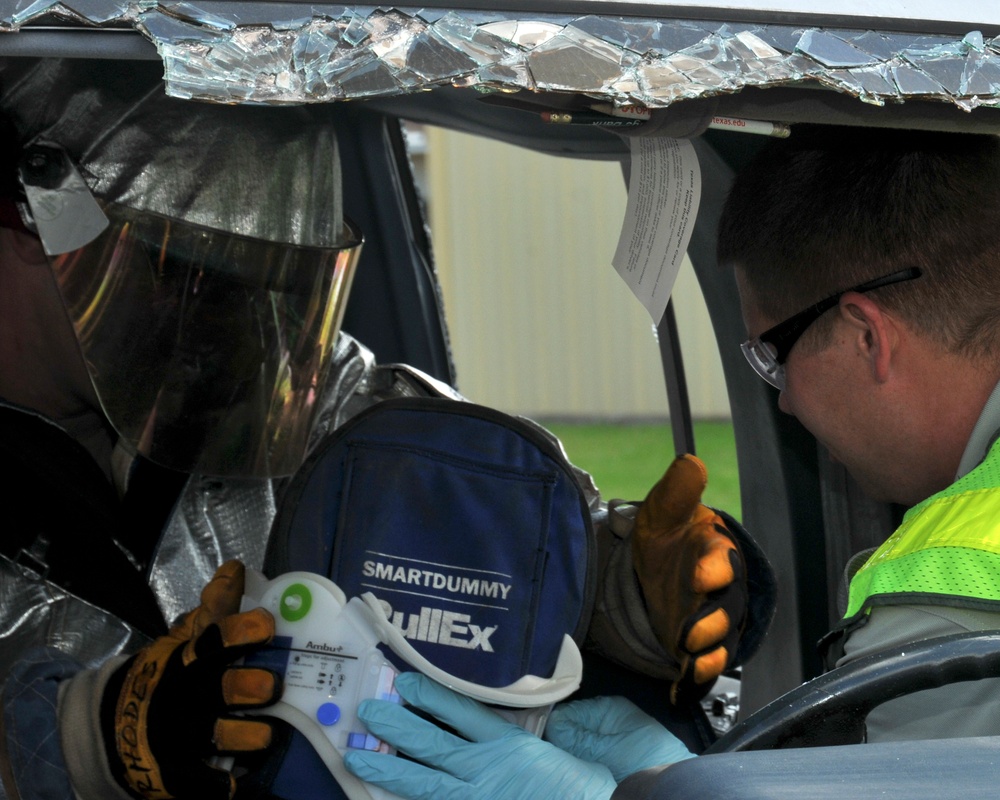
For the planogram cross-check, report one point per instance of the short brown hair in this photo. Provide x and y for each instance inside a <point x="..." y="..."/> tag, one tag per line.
<point x="830" y="208"/>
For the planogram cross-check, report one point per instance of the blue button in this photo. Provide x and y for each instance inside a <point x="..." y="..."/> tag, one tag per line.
<point x="328" y="714"/>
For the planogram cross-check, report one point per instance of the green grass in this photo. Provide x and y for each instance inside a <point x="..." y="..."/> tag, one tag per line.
<point x="627" y="459"/>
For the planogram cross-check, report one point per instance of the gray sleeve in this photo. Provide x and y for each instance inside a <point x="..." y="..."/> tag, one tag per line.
<point x="961" y="709"/>
<point x="51" y="746"/>
<point x="81" y="738"/>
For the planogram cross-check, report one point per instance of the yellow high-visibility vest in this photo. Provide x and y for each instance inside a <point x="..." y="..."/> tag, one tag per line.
<point x="946" y="551"/>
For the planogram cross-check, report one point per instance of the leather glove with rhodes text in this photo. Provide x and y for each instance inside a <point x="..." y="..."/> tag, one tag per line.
<point x="167" y="710"/>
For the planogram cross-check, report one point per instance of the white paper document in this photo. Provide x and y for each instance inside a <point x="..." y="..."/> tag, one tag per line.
<point x="663" y="196"/>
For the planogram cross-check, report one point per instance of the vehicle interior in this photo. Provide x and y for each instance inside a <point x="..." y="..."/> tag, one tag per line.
<point x="803" y="508"/>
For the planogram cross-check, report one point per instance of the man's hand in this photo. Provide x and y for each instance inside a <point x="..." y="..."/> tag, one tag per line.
<point x="614" y="732"/>
<point x="692" y="576"/>
<point x="167" y="710"/>
<point x="496" y="760"/>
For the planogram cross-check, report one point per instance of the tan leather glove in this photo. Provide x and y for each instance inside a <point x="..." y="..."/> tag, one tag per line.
<point x="692" y="576"/>
<point x="167" y="709"/>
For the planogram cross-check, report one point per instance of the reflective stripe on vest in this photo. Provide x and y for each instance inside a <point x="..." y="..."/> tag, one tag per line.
<point x="948" y="545"/>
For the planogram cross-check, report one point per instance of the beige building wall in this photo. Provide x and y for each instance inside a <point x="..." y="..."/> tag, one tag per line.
<point x="541" y="324"/>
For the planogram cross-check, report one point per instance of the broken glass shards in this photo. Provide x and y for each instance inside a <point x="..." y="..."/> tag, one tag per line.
<point x="290" y="52"/>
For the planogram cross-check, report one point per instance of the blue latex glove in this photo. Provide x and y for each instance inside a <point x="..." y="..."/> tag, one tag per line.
<point x="500" y="761"/>
<point x="613" y="731"/>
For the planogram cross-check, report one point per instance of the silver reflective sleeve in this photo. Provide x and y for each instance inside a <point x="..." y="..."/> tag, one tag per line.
<point x="34" y="612"/>
<point x="219" y="519"/>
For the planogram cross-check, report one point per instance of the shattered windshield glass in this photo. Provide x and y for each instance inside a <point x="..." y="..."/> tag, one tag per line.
<point x="290" y="53"/>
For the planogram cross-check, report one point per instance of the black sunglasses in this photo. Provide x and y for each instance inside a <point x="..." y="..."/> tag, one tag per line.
<point x="768" y="352"/>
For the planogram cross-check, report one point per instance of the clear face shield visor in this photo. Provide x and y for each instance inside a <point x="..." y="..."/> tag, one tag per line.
<point x="208" y="350"/>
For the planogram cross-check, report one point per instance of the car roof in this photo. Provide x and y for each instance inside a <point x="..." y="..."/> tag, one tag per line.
<point x="492" y="68"/>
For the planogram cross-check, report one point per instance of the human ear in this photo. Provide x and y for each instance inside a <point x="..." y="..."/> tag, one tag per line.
<point x="873" y="332"/>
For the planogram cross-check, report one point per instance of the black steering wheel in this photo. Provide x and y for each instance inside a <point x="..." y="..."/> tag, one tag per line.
<point x="831" y="709"/>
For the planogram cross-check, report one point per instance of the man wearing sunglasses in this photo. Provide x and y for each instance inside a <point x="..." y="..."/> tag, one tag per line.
<point x="887" y="240"/>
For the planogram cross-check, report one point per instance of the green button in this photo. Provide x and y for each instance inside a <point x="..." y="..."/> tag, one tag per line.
<point x="296" y="601"/>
